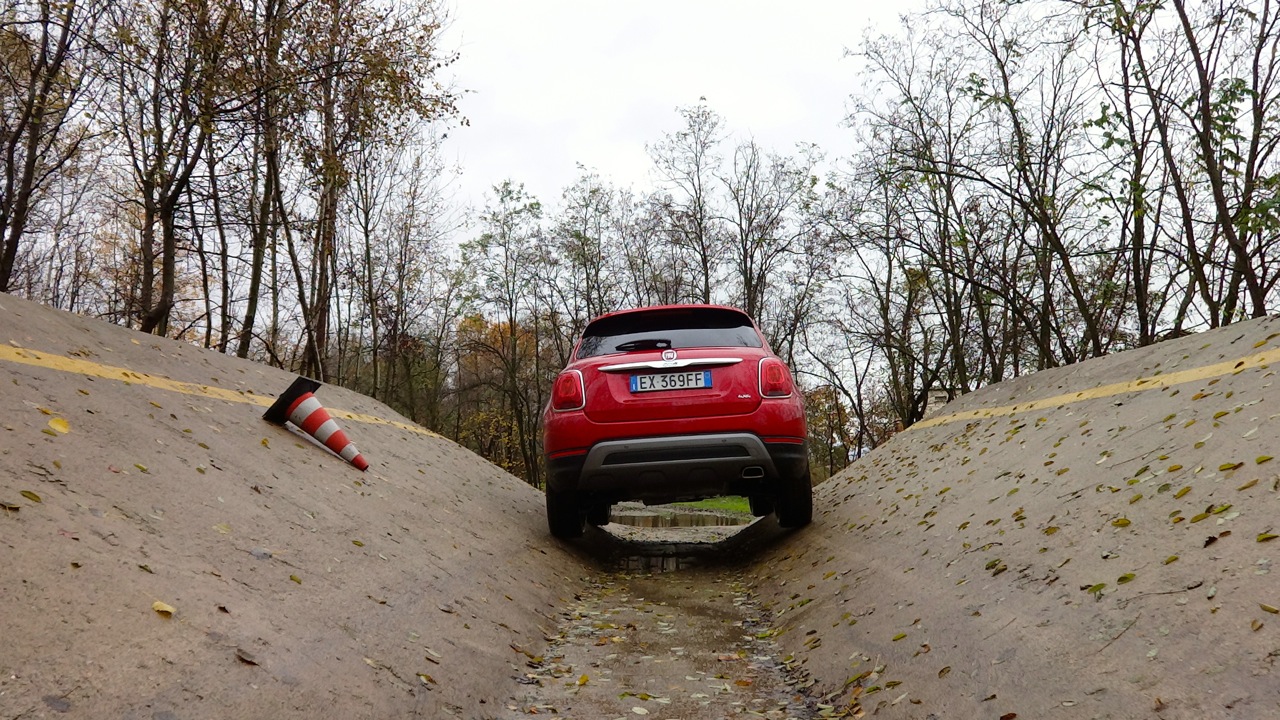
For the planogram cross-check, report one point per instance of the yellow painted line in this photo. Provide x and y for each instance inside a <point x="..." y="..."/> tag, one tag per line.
<point x="1181" y="377"/>
<point x="27" y="356"/>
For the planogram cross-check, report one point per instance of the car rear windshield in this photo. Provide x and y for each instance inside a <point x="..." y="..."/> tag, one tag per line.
<point x="673" y="328"/>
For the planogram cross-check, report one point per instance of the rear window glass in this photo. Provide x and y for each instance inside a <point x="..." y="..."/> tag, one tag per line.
<point x="662" y="329"/>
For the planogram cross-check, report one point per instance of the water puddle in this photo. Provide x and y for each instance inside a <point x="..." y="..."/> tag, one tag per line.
<point x="655" y="563"/>
<point x="676" y="519"/>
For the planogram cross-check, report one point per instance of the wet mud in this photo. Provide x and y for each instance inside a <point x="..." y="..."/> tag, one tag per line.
<point x="668" y="629"/>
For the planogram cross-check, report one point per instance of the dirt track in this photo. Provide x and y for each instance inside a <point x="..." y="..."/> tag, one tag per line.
<point x="687" y="644"/>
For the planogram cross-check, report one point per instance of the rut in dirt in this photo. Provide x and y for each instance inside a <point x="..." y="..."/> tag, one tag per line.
<point x="690" y="642"/>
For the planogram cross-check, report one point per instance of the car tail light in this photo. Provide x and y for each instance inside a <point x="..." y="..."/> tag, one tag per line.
<point x="568" y="393"/>
<point x="775" y="379"/>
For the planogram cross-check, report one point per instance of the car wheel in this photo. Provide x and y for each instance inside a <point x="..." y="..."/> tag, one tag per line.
<point x="761" y="504"/>
<point x="794" y="503"/>
<point x="564" y="514"/>
<point x="598" y="515"/>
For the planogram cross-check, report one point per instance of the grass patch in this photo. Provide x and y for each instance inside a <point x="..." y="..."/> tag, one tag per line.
<point x="723" y="504"/>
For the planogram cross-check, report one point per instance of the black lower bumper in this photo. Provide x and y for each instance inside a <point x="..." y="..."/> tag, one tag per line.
<point x="660" y="470"/>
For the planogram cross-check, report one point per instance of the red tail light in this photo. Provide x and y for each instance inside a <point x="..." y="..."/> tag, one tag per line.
<point x="775" y="379"/>
<point x="568" y="393"/>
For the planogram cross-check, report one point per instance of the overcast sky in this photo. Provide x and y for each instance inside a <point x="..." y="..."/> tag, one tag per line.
<point x="557" y="83"/>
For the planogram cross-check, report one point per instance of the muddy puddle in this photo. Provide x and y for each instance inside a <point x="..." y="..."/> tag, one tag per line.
<point x="677" y="645"/>
<point x="668" y="628"/>
<point x="644" y="564"/>
<point x="648" y="519"/>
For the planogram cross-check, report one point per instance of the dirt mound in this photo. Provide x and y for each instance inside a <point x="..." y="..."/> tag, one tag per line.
<point x="1093" y="541"/>
<point x="136" y="470"/>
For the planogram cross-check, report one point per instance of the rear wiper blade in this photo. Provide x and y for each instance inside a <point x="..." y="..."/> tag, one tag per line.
<point x="644" y="344"/>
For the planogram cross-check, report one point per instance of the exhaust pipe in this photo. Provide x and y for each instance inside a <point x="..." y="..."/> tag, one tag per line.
<point x="754" y="472"/>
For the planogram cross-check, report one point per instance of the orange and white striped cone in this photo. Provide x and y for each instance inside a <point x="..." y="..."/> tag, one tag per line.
<point x="299" y="405"/>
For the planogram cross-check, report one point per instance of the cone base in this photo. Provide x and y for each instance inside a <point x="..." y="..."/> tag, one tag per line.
<point x="278" y="413"/>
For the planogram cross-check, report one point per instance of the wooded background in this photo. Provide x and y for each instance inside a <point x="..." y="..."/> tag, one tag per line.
<point x="1034" y="184"/>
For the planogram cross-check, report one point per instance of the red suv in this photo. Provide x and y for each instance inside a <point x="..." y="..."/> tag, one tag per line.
<point x="671" y="403"/>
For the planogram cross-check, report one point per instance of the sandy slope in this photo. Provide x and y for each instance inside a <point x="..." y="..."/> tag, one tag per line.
<point x="341" y="587"/>
<point x="953" y="573"/>
<point x="1055" y="559"/>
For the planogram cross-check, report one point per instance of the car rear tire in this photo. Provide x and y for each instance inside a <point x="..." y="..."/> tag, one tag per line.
<point x="761" y="504"/>
<point x="564" y="514"/>
<point x="794" y="504"/>
<point x="598" y="515"/>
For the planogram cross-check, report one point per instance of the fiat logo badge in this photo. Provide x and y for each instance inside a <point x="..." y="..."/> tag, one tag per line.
<point x="668" y="355"/>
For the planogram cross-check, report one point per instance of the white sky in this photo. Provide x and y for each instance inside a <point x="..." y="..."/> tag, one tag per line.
<point x="557" y="83"/>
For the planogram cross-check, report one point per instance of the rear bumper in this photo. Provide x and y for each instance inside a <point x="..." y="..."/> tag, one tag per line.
<point x="677" y="467"/>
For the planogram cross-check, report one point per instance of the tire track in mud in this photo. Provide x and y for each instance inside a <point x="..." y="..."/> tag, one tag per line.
<point x="688" y="644"/>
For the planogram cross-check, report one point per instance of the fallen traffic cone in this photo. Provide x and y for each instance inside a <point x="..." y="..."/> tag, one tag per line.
<point x="299" y="405"/>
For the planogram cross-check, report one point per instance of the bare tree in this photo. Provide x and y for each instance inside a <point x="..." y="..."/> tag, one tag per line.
<point x="687" y="163"/>
<point x="44" y="72"/>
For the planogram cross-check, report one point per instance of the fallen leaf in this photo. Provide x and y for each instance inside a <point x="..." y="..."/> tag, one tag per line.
<point x="944" y="671"/>
<point x="1262" y="458"/>
<point x="163" y="609"/>
<point x="223" y="528"/>
<point x="1248" y="485"/>
<point x="427" y="679"/>
<point x="1125" y="578"/>
<point x="246" y="657"/>
<point x="60" y="425"/>
<point x="266" y="443"/>
<point x="296" y="579"/>
<point x="639" y="711"/>
<point x="1264" y="537"/>
<point x="1269" y="608"/>
<point x="1121" y="522"/>
<point x="31" y="496"/>
<point x="357" y="543"/>
<point x="583" y="679"/>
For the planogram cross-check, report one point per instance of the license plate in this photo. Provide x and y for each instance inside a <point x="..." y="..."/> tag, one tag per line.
<point x="671" y="381"/>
